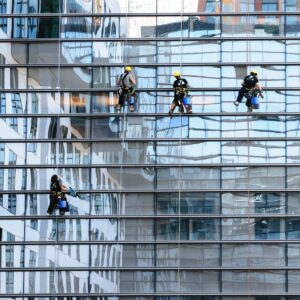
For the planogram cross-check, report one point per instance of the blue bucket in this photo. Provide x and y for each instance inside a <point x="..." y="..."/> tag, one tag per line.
<point x="186" y="100"/>
<point x="255" y="102"/>
<point x="62" y="203"/>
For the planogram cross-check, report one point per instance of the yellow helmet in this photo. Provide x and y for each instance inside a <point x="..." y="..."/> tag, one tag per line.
<point x="253" y="72"/>
<point x="176" y="74"/>
<point x="128" y="69"/>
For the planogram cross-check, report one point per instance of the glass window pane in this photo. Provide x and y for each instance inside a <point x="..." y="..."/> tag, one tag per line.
<point x="254" y="282"/>
<point x="242" y="203"/>
<point x="253" y="255"/>
<point x="253" y="177"/>
<point x="43" y="53"/>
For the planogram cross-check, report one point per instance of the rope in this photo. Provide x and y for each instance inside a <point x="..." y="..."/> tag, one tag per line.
<point x="179" y="167"/>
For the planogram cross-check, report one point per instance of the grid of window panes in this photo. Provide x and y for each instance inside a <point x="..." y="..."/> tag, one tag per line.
<point x="192" y="207"/>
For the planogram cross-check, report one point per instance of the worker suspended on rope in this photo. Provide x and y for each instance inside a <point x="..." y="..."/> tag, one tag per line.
<point x="250" y="89"/>
<point x="126" y="90"/>
<point x="58" y="199"/>
<point x="181" y="97"/>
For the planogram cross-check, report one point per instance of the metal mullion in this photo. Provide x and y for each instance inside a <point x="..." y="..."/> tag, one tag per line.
<point x="151" y="39"/>
<point x="103" y="115"/>
<point x="188" y="64"/>
<point x="162" y="191"/>
<point x="45" y="269"/>
<point x="131" y="295"/>
<point x="165" y="216"/>
<point x="158" y="242"/>
<point x="147" y="14"/>
<point x="272" y="139"/>
<point x="100" y="90"/>
<point x="157" y="166"/>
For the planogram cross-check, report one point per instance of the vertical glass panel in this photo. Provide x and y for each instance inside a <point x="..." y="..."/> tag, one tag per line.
<point x="293" y="177"/>
<point x="293" y="152"/>
<point x="127" y="178"/>
<point x="292" y="52"/>
<point x="293" y="203"/>
<point x="41" y="256"/>
<point x="76" y="52"/>
<point x="43" y="53"/>
<point x="242" y="203"/>
<point x="73" y="230"/>
<point x="199" y="281"/>
<point x="76" y="27"/>
<point x="105" y="204"/>
<point x="74" y="153"/>
<point x="109" y="27"/>
<point x="12" y="230"/>
<point x="190" y="203"/>
<point x="190" y="51"/>
<point x="188" y="178"/>
<point x="190" y="229"/>
<point x="136" y="230"/>
<point x="188" y="152"/>
<point x="104" y="230"/>
<point x="137" y="255"/>
<point x="42" y="128"/>
<point x="125" y="152"/>
<point x="293" y="279"/>
<point x="12" y="256"/>
<point x="293" y="228"/>
<point x="12" y="204"/>
<point x="253" y="255"/>
<point x="75" y="102"/>
<point x="104" y="102"/>
<point x="80" y="78"/>
<point x="43" y="103"/>
<point x="56" y="282"/>
<point x="43" y="28"/>
<point x="196" y="76"/>
<point x="292" y="76"/>
<point x="136" y="282"/>
<point x="39" y="179"/>
<point x="107" y="255"/>
<point x="41" y="230"/>
<point x="253" y="152"/>
<point x="253" y="282"/>
<point x="253" y="51"/>
<point x="11" y="283"/>
<point x="258" y="178"/>
<point x="259" y="229"/>
<point x="293" y="255"/>
<point x="167" y="281"/>
<point x="77" y="6"/>
<point x="74" y="127"/>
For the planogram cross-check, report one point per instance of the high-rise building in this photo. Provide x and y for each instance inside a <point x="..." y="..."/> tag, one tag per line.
<point x="192" y="207"/>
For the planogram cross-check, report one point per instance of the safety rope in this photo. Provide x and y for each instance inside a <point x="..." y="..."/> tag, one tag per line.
<point x="248" y="155"/>
<point x="180" y="156"/>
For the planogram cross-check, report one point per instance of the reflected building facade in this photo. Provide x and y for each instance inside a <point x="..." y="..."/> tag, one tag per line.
<point x="203" y="206"/>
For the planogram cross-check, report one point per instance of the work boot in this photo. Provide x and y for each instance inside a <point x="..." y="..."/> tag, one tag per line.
<point x="236" y="103"/>
<point x="170" y="112"/>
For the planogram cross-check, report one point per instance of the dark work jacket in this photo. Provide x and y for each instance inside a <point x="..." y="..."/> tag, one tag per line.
<point x="250" y="81"/>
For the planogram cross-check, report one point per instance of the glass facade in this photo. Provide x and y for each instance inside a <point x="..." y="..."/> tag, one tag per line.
<point x="191" y="207"/>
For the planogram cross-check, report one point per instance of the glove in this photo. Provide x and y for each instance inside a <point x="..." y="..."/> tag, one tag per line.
<point x="71" y="192"/>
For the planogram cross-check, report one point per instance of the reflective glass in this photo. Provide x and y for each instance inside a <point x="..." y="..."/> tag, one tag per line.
<point x="12" y="256"/>
<point x="123" y="153"/>
<point x="293" y="256"/>
<point x="253" y="51"/>
<point x="188" y="229"/>
<point x="242" y="203"/>
<point x="253" y="126"/>
<point x="188" y="152"/>
<point x="42" y="53"/>
<point x="253" y="152"/>
<point x="136" y="282"/>
<point x="293" y="177"/>
<point x="253" y="282"/>
<point x="64" y="256"/>
<point x="56" y="282"/>
<point x="248" y="26"/>
<point x="293" y="279"/>
<point x="253" y="255"/>
<point x="122" y="204"/>
<point x="76" y="27"/>
<point x="253" y="229"/>
<point x="11" y="283"/>
<point x="190" y="203"/>
<point x="253" y="177"/>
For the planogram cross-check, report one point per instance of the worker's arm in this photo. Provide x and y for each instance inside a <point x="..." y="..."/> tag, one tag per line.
<point x="132" y="79"/>
<point x="63" y="188"/>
